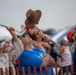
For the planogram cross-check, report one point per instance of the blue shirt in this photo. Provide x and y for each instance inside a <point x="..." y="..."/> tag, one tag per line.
<point x="39" y="50"/>
<point x="32" y="58"/>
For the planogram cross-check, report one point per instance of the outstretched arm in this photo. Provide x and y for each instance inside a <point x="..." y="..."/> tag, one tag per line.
<point x="18" y="45"/>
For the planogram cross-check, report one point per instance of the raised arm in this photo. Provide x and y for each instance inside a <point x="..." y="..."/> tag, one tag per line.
<point x="61" y="50"/>
<point x="18" y="45"/>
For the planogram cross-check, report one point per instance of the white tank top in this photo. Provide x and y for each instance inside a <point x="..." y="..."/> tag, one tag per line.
<point x="67" y="58"/>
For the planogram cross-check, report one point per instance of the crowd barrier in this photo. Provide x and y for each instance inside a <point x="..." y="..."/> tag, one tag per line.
<point x="55" y="69"/>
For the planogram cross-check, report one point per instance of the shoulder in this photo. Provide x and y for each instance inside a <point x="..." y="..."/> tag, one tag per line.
<point x="62" y="48"/>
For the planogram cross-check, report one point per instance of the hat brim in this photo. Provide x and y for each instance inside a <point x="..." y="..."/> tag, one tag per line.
<point x="27" y="22"/>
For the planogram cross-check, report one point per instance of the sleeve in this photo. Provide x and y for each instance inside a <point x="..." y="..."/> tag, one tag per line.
<point x="18" y="50"/>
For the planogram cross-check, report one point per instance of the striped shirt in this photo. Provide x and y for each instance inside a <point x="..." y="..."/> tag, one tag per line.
<point x="67" y="58"/>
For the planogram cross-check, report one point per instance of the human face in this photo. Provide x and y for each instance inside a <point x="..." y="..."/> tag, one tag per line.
<point x="22" y="26"/>
<point x="7" y="48"/>
<point x="37" y="31"/>
<point x="36" y="34"/>
<point x="64" y="42"/>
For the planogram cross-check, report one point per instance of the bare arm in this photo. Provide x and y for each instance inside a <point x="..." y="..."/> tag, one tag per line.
<point x="12" y="31"/>
<point x="61" y="50"/>
<point x="47" y="61"/>
<point x="46" y="47"/>
<point x="18" y="45"/>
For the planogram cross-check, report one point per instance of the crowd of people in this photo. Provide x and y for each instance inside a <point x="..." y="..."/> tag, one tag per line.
<point x="31" y="47"/>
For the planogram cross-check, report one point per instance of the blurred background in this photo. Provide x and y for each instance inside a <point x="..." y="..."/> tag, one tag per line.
<point x="57" y="15"/>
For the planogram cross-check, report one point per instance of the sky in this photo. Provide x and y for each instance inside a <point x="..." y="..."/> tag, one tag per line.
<point x="56" y="14"/>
